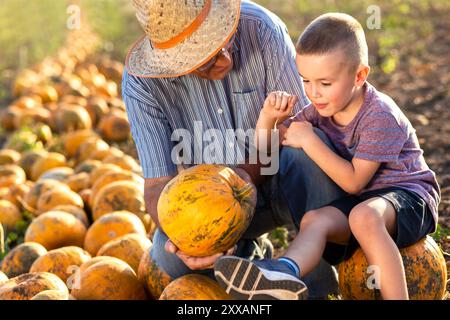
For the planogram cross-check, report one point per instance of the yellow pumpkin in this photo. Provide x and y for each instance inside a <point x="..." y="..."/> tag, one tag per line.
<point x="152" y="276"/>
<point x="129" y="248"/>
<point x="206" y="209"/>
<point x="20" y="259"/>
<point x="110" y="279"/>
<point x="55" y="229"/>
<point x="62" y="262"/>
<point x="425" y="269"/>
<point x="109" y="227"/>
<point x="26" y="286"/>
<point x="194" y="287"/>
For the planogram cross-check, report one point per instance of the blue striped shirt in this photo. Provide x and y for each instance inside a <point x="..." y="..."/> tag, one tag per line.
<point x="264" y="61"/>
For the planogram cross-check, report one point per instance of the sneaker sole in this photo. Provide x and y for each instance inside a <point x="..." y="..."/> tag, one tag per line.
<point x="245" y="281"/>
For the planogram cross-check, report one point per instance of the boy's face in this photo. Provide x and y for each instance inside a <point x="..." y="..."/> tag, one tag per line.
<point x="328" y="82"/>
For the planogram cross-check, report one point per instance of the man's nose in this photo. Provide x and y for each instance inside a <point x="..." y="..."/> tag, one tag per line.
<point x="223" y="59"/>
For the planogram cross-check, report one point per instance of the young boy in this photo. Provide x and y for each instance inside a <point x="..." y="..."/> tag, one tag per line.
<point x="392" y="194"/>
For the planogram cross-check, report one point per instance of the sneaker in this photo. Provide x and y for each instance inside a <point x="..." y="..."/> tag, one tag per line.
<point x="258" y="280"/>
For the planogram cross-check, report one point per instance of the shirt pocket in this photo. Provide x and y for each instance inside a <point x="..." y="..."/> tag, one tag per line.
<point x="249" y="103"/>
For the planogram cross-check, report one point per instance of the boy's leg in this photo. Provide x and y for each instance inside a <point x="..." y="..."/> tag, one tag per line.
<point x="303" y="186"/>
<point x="274" y="279"/>
<point x="373" y="223"/>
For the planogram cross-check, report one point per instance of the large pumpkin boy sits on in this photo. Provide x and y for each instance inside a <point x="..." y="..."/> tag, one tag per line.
<point x="392" y="196"/>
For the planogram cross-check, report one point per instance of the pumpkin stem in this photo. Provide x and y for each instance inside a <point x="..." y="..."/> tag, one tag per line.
<point x="243" y="192"/>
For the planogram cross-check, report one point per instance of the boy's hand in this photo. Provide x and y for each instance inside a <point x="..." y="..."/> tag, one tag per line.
<point x="196" y="263"/>
<point x="279" y="105"/>
<point x="298" y="134"/>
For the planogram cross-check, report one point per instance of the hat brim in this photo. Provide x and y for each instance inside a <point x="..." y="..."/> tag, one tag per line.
<point x="143" y="60"/>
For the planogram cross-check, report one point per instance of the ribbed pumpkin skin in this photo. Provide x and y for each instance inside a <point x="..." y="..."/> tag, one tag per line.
<point x="152" y="276"/>
<point x="109" y="279"/>
<point x="61" y="261"/>
<point x="425" y="268"/>
<point x="26" y="286"/>
<point x="194" y="287"/>
<point x="206" y="209"/>
<point x="20" y="259"/>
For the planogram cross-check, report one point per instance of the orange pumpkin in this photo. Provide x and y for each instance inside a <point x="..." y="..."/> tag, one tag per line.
<point x="101" y="170"/>
<point x="117" y="196"/>
<point x="87" y="166"/>
<point x="77" y="212"/>
<point x="9" y="215"/>
<point x="152" y="276"/>
<point x="74" y="139"/>
<point x="110" y="177"/>
<point x="78" y="182"/>
<point x="206" y="209"/>
<point x="111" y="226"/>
<point x="129" y="248"/>
<point x="59" y="173"/>
<point x="425" y="269"/>
<point x="52" y="198"/>
<point x="9" y="156"/>
<point x="26" y="286"/>
<point x="61" y="262"/>
<point x="49" y="161"/>
<point x="51" y="295"/>
<point x="88" y="147"/>
<point x="194" y="287"/>
<point x="29" y="158"/>
<point x="70" y="118"/>
<point x="40" y="187"/>
<point x="124" y="161"/>
<point x="103" y="154"/>
<point x="55" y="229"/>
<point x="110" y="279"/>
<point x="11" y="174"/>
<point x="19" y="260"/>
<point x="114" y="127"/>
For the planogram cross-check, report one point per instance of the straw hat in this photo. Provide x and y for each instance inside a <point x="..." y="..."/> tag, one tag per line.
<point x="180" y="35"/>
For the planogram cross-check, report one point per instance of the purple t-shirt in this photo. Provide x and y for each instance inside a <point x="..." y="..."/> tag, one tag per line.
<point x="380" y="132"/>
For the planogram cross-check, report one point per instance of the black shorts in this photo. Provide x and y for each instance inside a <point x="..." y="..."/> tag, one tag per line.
<point x="414" y="220"/>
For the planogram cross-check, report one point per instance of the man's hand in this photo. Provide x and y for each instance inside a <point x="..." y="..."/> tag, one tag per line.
<point x="298" y="134"/>
<point x="279" y="105"/>
<point x="196" y="263"/>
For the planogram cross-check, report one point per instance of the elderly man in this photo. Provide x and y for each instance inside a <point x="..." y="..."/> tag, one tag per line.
<point x="209" y="64"/>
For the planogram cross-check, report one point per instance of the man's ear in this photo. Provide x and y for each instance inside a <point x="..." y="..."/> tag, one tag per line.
<point x="361" y="75"/>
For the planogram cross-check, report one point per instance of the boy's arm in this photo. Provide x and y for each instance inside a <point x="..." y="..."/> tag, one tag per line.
<point x="263" y="131"/>
<point x="352" y="176"/>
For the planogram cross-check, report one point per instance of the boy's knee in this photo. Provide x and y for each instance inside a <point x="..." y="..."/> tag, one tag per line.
<point x="312" y="218"/>
<point x="363" y="218"/>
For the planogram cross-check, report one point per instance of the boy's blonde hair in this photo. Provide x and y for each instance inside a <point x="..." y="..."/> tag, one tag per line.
<point x="333" y="31"/>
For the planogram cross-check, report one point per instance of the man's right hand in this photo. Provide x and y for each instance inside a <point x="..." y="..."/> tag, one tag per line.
<point x="196" y="263"/>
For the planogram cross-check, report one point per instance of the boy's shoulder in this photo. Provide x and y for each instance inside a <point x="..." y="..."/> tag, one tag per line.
<point x="381" y="104"/>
